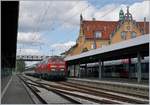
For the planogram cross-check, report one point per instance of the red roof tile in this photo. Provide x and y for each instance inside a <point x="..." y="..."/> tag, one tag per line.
<point x="106" y="27"/>
<point x="141" y="24"/>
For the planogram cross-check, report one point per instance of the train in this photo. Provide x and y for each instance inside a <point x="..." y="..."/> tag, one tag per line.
<point x="115" y="69"/>
<point x="55" y="68"/>
<point x="52" y="68"/>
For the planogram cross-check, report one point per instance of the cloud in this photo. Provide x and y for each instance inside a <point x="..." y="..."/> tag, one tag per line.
<point x="30" y="38"/>
<point x="40" y="16"/>
<point x="46" y="16"/>
<point x="28" y="51"/>
<point x="111" y="11"/>
<point x="62" y="47"/>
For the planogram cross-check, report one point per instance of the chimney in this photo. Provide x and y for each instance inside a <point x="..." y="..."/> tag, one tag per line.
<point x="81" y="17"/>
<point x="144" y="25"/>
<point x="93" y="19"/>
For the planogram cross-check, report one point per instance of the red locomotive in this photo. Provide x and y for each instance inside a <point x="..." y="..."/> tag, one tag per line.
<point x="53" y="68"/>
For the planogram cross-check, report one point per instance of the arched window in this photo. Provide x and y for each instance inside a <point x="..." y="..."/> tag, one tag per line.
<point x="123" y="35"/>
<point x="133" y="34"/>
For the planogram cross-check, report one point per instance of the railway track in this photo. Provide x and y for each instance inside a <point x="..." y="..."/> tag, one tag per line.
<point x="33" y="87"/>
<point x="90" y="93"/>
<point x="100" y="93"/>
<point x="34" y="91"/>
<point x="68" y="93"/>
<point x="83" y="86"/>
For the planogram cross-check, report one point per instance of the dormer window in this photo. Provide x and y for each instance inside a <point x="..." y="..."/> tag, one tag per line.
<point x="98" y="34"/>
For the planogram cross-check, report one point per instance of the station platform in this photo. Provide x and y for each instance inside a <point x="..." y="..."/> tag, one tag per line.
<point x="115" y="81"/>
<point x="15" y="93"/>
<point x="115" y="84"/>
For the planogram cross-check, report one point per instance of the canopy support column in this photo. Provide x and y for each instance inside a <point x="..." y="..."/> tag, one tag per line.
<point x="100" y="69"/>
<point x="139" y="67"/>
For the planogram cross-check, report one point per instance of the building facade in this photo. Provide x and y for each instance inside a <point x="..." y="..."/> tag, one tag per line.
<point x="95" y="34"/>
<point x="128" y="28"/>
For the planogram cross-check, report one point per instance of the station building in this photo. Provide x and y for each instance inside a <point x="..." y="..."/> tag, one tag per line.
<point x="128" y="28"/>
<point x="94" y="36"/>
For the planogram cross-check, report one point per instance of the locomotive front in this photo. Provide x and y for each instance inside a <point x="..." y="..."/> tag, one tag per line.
<point x="56" y="68"/>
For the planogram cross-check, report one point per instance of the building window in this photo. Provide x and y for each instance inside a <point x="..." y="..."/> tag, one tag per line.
<point x="133" y="34"/>
<point x="128" y="28"/>
<point x="93" y="46"/>
<point x="87" y="28"/>
<point x="123" y="35"/>
<point x="98" y="34"/>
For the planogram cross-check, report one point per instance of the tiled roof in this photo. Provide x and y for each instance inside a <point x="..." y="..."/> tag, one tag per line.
<point x="141" y="24"/>
<point x="106" y="27"/>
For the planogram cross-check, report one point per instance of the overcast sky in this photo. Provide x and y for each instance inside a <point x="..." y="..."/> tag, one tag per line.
<point x="54" y="25"/>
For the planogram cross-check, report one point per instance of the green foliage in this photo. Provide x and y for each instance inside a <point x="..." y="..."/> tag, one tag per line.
<point x="20" y="66"/>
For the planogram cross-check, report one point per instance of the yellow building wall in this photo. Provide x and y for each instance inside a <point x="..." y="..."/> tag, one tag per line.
<point x="117" y="36"/>
<point x="78" y="49"/>
<point x="82" y="43"/>
<point x="99" y="43"/>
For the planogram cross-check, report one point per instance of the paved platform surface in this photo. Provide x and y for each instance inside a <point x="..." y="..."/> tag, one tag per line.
<point x="4" y="81"/>
<point x="121" y="81"/>
<point x="16" y="93"/>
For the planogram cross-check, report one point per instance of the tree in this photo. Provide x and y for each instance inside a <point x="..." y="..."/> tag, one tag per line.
<point x="20" y="66"/>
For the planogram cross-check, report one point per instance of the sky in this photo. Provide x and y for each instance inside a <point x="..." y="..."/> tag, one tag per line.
<point x="52" y="27"/>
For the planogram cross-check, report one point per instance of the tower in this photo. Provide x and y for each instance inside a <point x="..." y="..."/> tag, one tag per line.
<point x="128" y="15"/>
<point x="121" y="15"/>
<point x="81" y="17"/>
<point x="81" y="25"/>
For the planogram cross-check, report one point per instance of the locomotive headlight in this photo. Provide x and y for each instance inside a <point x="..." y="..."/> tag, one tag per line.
<point x="61" y="69"/>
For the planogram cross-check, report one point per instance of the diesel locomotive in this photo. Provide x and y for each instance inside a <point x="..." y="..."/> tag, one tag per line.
<point x="53" y="68"/>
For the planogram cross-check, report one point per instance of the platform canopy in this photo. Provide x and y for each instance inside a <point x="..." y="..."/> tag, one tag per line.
<point x="122" y="50"/>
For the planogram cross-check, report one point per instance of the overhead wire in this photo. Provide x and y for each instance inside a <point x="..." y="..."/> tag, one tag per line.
<point x="112" y="9"/>
<point x="42" y="17"/>
<point x="68" y="19"/>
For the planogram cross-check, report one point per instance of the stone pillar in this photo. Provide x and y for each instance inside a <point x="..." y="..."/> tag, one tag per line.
<point x="138" y="67"/>
<point x="100" y="69"/>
